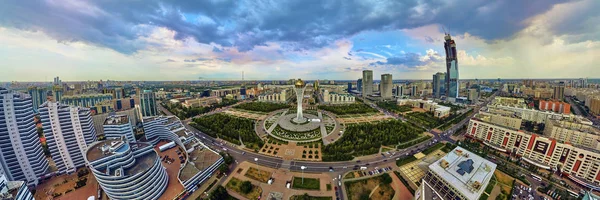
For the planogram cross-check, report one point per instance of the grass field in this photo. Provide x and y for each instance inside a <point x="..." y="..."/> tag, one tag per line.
<point x="504" y="180"/>
<point x="371" y="188"/>
<point x="259" y="175"/>
<point x="309" y="183"/>
<point x="234" y="184"/>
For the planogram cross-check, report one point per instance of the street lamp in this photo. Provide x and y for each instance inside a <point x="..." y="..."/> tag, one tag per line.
<point x="302" y="167"/>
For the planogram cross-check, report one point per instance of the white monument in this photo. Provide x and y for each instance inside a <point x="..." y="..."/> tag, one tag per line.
<point x="299" y="88"/>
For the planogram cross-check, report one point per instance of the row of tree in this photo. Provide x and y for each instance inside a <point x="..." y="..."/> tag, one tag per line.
<point x="345" y="109"/>
<point x="229" y="128"/>
<point x="391" y="105"/>
<point x="367" y="138"/>
<point x="262" y="106"/>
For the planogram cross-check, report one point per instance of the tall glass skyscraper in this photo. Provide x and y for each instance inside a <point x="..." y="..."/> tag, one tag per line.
<point x="451" y="67"/>
<point x="439" y="84"/>
<point x="367" y="85"/>
<point x="148" y="103"/>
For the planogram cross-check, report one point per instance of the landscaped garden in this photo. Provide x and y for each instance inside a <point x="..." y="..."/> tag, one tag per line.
<point x="244" y="188"/>
<point x="308" y="184"/>
<point x="262" y="106"/>
<point x="229" y="128"/>
<point x="372" y="188"/>
<point x="297" y="136"/>
<point x="344" y="109"/>
<point x="367" y="138"/>
<point x="257" y="174"/>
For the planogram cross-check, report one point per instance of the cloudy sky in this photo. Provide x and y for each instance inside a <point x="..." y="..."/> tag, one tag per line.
<point x="309" y="39"/>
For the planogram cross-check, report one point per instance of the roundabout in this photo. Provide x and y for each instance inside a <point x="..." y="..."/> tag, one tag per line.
<point x="287" y="122"/>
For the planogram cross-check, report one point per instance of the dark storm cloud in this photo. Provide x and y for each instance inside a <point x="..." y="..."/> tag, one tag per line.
<point x="303" y="24"/>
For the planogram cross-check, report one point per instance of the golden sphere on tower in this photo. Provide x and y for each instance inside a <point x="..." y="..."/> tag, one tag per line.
<point x="299" y="83"/>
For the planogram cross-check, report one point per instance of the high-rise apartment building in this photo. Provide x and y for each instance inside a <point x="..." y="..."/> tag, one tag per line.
<point x="414" y="91"/>
<point x="367" y="85"/>
<point x="117" y="126"/>
<point x="559" y="91"/>
<point x="148" y="103"/>
<point x="349" y="86"/>
<point x="386" y="86"/>
<point x="38" y="96"/>
<point x="452" y="85"/>
<point x="14" y="189"/>
<point x="57" y="93"/>
<point x="359" y="85"/>
<point x="21" y="157"/>
<point x="68" y="130"/>
<point x="439" y="84"/>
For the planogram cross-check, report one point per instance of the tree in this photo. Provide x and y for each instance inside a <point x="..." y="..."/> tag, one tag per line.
<point x="365" y="195"/>
<point x="246" y="187"/>
<point x="386" y="179"/>
<point x="218" y="194"/>
<point x="224" y="168"/>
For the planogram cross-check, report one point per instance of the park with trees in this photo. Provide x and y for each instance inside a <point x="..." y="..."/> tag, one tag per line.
<point x="262" y="106"/>
<point x="345" y="109"/>
<point x="229" y="128"/>
<point x="367" y="138"/>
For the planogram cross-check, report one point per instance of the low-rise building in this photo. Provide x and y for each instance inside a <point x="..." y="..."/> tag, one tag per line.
<point x="460" y="174"/>
<point x="335" y="98"/>
<point x="202" y="102"/>
<point x="438" y="111"/>
<point x="277" y="97"/>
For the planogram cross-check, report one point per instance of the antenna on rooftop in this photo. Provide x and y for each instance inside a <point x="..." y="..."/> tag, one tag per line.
<point x="446" y="33"/>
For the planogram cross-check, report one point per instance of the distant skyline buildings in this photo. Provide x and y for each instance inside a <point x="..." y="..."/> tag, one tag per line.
<point x="386" y="86"/>
<point x="148" y="103"/>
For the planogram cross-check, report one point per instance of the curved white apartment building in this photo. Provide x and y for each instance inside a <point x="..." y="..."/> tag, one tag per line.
<point x="68" y="130"/>
<point x="127" y="170"/>
<point x="21" y="156"/>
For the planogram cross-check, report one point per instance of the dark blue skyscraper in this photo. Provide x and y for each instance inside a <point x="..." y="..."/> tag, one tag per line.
<point x="359" y="85"/>
<point x="349" y="86"/>
<point x="451" y="67"/>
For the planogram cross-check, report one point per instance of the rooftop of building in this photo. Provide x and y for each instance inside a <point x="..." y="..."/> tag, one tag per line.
<point x="199" y="159"/>
<point x="116" y="120"/>
<point x="10" y="189"/>
<point x="467" y="172"/>
<point x="106" y="148"/>
<point x="86" y="95"/>
<point x="142" y="163"/>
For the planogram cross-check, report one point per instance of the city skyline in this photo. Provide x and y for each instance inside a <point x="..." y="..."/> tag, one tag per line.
<point x="217" y="41"/>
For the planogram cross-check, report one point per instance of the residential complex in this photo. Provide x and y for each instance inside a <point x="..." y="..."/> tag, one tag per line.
<point x="21" y="157"/>
<point x="127" y="170"/>
<point x="201" y="102"/>
<point x="555" y="106"/>
<point x="460" y="174"/>
<point x="335" y="98"/>
<point x="282" y="96"/>
<point x="563" y="146"/>
<point x="68" y="130"/>
<point x="39" y="95"/>
<point x="85" y="100"/>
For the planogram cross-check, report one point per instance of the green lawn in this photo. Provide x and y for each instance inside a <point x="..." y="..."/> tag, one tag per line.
<point x="307" y="197"/>
<point x="309" y="183"/>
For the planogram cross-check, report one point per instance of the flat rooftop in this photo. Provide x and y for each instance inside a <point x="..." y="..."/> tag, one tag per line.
<point x="465" y="171"/>
<point x="199" y="159"/>
<point x="116" y="120"/>
<point x="144" y="162"/>
<point x="95" y="152"/>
